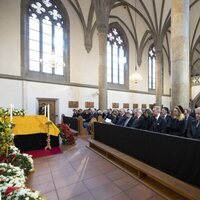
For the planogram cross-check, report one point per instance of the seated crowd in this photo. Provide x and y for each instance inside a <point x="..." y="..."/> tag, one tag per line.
<point x="179" y="122"/>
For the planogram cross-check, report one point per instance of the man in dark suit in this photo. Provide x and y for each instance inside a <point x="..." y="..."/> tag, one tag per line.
<point x="167" y="118"/>
<point x="159" y="124"/>
<point x="194" y="127"/>
<point x="129" y="119"/>
<point x="188" y="120"/>
<point x="138" y="119"/>
<point x="121" y="117"/>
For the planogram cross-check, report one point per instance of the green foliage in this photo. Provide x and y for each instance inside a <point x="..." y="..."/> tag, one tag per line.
<point x="5" y="132"/>
<point x="23" y="161"/>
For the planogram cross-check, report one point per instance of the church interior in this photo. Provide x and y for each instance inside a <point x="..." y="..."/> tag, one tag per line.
<point x="65" y="62"/>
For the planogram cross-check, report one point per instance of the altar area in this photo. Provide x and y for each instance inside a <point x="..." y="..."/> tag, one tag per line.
<point x="30" y="132"/>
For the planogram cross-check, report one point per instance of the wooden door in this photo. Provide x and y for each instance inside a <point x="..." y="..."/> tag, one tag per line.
<point x="52" y="107"/>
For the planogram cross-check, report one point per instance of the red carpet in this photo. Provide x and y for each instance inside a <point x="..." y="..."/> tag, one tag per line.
<point x="42" y="152"/>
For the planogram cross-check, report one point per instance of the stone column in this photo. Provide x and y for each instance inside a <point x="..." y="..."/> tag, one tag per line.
<point x="102" y="70"/>
<point x="180" y="53"/>
<point x="102" y="10"/>
<point x="159" y="73"/>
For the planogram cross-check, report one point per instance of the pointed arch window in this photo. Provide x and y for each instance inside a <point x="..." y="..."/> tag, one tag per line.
<point x="46" y="39"/>
<point x="116" y="57"/>
<point x="152" y="68"/>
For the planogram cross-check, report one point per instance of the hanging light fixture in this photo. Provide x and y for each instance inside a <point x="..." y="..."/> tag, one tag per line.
<point x="54" y="61"/>
<point x="136" y="77"/>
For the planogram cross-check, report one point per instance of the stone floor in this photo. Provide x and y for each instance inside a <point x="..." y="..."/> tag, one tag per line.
<point x="80" y="174"/>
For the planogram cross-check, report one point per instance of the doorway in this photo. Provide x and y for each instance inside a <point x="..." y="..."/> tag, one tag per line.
<point x="52" y="107"/>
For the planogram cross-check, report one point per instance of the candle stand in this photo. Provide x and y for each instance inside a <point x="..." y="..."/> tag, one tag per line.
<point x="49" y="123"/>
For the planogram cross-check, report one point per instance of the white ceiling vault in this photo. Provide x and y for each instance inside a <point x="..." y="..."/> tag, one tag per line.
<point x="153" y="17"/>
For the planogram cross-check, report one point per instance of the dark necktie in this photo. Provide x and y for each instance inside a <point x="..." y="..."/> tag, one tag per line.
<point x="197" y="124"/>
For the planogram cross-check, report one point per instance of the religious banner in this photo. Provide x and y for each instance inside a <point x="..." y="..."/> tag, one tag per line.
<point x="135" y="105"/>
<point x="89" y="104"/>
<point x="73" y="104"/>
<point x="115" y="105"/>
<point x="144" y="106"/>
<point x="125" y="105"/>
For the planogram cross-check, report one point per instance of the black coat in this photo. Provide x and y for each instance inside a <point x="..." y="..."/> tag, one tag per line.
<point x="121" y="120"/>
<point x="177" y="127"/>
<point x="194" y="130"/>
<point x="147" y="123"/>
<point x="188" y="121"/>
<point x="137" y="122"/>
<point x="159" y="125"/>
<point x="168" y="120"/>
<point x="130" y="122"/>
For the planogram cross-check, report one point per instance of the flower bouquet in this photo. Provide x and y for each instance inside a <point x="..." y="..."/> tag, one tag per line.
<point x="16" y="112"/>
<point x="24" y="161"/>
<point x="10" y="176"/>
<point x="6" y="135"/>
<point x="23" y="194"/>
<point x="65" y="134"/>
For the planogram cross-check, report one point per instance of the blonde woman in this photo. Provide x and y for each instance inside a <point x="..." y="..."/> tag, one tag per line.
<point x="177" y="126"/>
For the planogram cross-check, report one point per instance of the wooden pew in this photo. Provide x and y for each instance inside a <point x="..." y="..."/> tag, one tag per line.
<point x="100" y="118"/>
<point x="110" y="143"/>
<point x="83" y="131"/>
<point x="164" y="184"/>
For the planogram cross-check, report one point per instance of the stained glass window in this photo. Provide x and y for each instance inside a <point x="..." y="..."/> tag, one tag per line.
<point x="45" y="37"/>
<point x="116" y="57"/>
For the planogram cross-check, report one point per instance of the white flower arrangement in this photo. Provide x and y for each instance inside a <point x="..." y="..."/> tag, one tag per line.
<point x="24" y="193"/>
<point x="10" y="176"/>
<point x="30" y="159"/>
<point x="15" y="112"/>
<point x="13" y="150"/>
<point x="24" y="160"/>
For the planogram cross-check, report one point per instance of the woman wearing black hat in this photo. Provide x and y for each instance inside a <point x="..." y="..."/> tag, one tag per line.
<point x="177" y="126"/>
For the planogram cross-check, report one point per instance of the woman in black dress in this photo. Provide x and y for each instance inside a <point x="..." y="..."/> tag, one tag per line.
<point x="177" y="126"/>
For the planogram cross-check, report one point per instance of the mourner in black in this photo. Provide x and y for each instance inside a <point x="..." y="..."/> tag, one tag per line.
<point x="121" y="117"/>
<point x="129" y="119"/>
<point x="137" y="123"/>
<point x="177" y="126"/>
<point x="167" y="118"/>
<point x="194" y="127"/>
<point x="147" y="120"/>
<point x="159" y="124"/>
<point x="188" y="120"/>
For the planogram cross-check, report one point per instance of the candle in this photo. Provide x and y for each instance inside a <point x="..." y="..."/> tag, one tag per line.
<point x="45" y="110"/>
<point x="48" y="111"/>
<point x="11" y="112"/>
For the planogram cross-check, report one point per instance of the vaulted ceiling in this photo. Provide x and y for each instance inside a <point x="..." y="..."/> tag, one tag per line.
<point x="153" y="17"/>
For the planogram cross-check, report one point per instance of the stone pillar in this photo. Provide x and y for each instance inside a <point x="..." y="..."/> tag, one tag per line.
<point x="159" y="73"/>
<point x="102" y="10"/>
<point x="180" y="53"/>
<point x="102" y="70"/>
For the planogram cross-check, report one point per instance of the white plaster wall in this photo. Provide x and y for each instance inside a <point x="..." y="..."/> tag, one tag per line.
<point x="11" y="93"/>
<point x="19" y="93"/>
<point x="83" y="65"/>
<point x="133" y="98"/>
<point x="62" y="94"/>
<point x="10" y="37"/>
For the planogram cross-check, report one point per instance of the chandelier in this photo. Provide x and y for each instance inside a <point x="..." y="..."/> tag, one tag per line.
<point x="55" y="61"/>
<point x="136" y="77"/>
